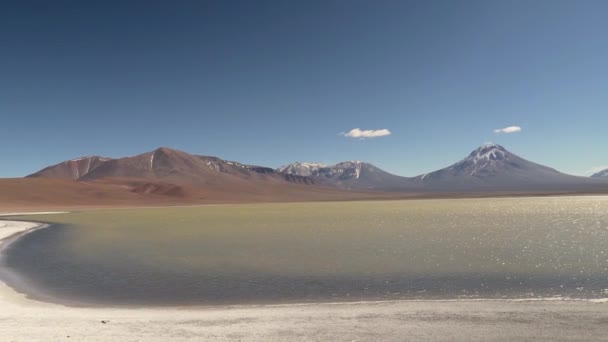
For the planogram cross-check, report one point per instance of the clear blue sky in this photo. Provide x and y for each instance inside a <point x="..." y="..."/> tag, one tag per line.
<point x="271" y="82"/>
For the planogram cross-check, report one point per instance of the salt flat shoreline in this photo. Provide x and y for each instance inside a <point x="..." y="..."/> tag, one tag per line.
<point x="23" y="319"/>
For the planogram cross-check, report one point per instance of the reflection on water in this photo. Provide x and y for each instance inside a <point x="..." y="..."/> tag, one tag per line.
<point x="491" y="248"/>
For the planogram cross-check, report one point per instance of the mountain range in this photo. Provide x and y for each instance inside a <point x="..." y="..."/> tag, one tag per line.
<point x="488" y="168"/>
<point x="167" y="173"/>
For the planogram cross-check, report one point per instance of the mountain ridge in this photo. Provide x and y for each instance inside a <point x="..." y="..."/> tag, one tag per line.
<point x="164" y="164"/>
<point x="490" y="167"/>
<point x="350" y="175"/>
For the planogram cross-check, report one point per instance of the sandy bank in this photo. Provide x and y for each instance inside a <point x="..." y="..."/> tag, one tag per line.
<point x="26" y="320"/>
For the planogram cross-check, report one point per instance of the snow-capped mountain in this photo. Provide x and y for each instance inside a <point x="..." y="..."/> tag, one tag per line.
<point x="603" y="173"/>
<point x="492" y="167"/>
<point x="302" y="169"/>
<point x="355" y="175"/>
<point x="486" y="161"/>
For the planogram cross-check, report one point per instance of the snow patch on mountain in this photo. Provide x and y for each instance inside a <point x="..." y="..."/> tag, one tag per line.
<point x="603" y="173"/>
<point x="302" y="169"/>
<point x="343" y="170"/>
<point x="89" y="158"/>
<point x="486" y="156"/>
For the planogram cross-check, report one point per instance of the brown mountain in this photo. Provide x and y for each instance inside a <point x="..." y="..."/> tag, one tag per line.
<point x="161" y="177"/>
<point x="167" y="165"/>
<point x="71" y="169"/>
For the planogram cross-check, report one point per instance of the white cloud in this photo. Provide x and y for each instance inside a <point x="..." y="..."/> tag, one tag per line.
<point x="506" y="130"/>
<point x="370" y="133"/>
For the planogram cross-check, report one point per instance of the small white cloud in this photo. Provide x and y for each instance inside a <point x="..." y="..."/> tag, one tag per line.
<point x="370" y="133"/>
<point x="506" y="130"/>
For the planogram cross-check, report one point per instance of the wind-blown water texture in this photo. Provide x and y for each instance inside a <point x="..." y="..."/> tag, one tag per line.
<point x="278" y="253"/>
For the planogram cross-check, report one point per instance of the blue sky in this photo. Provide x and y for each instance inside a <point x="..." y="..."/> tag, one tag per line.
<point x="272" y="82"/>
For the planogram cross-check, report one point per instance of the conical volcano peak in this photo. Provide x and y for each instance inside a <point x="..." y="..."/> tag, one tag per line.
<point x="491" y="166"/>
<point x="490" y="146"/>
<point x="487" y="152"/>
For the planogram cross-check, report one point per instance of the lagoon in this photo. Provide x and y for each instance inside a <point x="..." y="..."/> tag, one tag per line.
<point x="318" y="252"/>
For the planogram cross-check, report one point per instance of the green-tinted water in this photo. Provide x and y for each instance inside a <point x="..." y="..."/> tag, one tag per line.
<point x="517" y="247"/>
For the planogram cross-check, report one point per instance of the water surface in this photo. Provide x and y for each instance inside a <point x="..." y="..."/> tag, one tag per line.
<point x="282" y="253"/>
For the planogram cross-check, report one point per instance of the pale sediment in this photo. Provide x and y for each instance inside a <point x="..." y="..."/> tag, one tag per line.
<point x="10" y="228"/>
<point x="22" y="319"/>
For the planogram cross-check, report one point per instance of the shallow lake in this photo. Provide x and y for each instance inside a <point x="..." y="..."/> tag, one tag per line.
<point x="303" y="252"/>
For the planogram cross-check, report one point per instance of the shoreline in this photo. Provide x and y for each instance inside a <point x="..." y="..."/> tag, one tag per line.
<point x="10" y="231"/>
<point x="410" y="197"/>
<point x="24" y="318"/>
